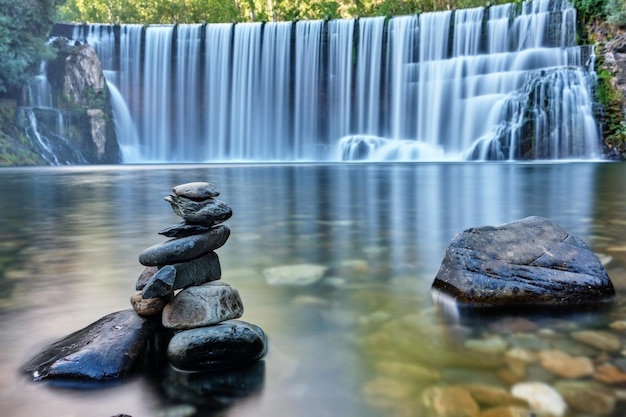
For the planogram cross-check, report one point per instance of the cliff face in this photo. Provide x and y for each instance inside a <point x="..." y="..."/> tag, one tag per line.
<point x="66" y="115"/>
<point x="611" y="88"/>
<point x="79" y="89"/>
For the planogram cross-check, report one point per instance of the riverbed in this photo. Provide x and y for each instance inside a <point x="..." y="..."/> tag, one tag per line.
<point x="71" y="237"/>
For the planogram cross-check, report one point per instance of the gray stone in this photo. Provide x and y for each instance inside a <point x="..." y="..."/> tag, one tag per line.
<point x="106" y="349"/>
<point x="145" y="276"/>
<point x="229" y="344"/>
<point x="161" y="283"/>
<point x="205" y="305"/>
<point x="530" y="261"/>
<point x="196" y="190"/>
<point x="182" y="275"/>
<point x="184" y="229"/>
<point x="185" y="248"/>
<point x="207" y="212"/>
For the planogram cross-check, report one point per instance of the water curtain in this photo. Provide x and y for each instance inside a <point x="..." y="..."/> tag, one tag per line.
<point x="505" y="82"/>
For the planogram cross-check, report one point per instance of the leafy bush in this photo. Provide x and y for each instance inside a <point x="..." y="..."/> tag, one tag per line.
<point x="616" y="13"/>
<point x="24" y="30"/>
<point x="590" y="9"/>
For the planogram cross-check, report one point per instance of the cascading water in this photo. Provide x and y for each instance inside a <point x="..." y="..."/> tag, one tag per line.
<point x="504" y="82"/>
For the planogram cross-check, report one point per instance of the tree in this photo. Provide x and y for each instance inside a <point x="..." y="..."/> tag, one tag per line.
<point x="24" y="29"/>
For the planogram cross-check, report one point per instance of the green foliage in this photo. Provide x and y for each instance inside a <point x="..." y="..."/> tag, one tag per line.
<point x="15" y="149"/>
<point x="24" y="29"/>
<point x="612" y="118"/>
<point x="149" y="11"/>
<point x="616" y="13"/>
<point x="589" y="10"/>
<point x="214" y="11"/>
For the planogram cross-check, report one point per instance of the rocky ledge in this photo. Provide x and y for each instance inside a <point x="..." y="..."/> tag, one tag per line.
<point x="531" y="261"/>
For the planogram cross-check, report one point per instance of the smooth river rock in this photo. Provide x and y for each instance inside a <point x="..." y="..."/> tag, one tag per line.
<point x="542" y="398"/>
<point x="294" y="275"/>
<point x="531" y="261"/>
<point x="229" y="344"/>
<point x="185" y="248"/>
<point x="106" y="349"/>
<point x="182" y="275"/>
<point x="148" y="306"/>
<point x="203" y="305"/>
<point x="196" y="190"/>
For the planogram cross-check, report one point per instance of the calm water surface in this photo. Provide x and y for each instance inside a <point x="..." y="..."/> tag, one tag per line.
<point x="70" y="238"/>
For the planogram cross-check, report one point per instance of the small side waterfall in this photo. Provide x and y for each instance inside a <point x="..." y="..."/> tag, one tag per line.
<point x="505" y="82"/>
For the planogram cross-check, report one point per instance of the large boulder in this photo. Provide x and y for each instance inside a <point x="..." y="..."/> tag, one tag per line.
<point x="529" y="261"/>
<point x="106" y="349"/>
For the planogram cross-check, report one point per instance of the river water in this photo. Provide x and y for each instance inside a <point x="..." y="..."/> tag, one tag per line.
<point x="70" y="238"/>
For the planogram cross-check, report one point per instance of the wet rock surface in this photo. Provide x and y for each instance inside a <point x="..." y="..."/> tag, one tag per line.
<point x="106" y="349"/>
<point x="185" y="248"/>
<point x="532" y="261"/>
<point x="204" y="310"/>
<point x="229" y="344"/>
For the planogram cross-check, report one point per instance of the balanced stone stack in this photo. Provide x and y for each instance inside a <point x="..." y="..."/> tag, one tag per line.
<point x="203" y="314"/>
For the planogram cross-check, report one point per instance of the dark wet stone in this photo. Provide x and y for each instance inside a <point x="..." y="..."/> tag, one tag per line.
<point x="530" y="261"/>
<point x="145" y="276"/>
<point x="184" y="229"/>
<point x="106" y="349"/>
<point x="185" y="248"/>
<point x="204" y="305"/>
<point x="161" y="284"/>
<point x="226" y="345"/>
<point x="214" y="390"/>
<point x="196" y="190"/>
<point x="206" y="212"/>
<point x="182" y="275"/>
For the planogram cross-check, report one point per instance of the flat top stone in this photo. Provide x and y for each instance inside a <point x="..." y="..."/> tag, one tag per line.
<point x="529" y="261"/>
<point x="196" y="190"/>
<point x="185" y="248"/>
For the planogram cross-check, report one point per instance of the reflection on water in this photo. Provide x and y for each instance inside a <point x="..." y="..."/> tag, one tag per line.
<point x="364" y="341"/>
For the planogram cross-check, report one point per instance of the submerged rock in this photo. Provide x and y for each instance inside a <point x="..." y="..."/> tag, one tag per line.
<point x="529" y="261"/>
<point x="296" y="275"/>
<point x="229" y="344"/>
<point x="542" y="398"/>
<point x="106" y="349"/>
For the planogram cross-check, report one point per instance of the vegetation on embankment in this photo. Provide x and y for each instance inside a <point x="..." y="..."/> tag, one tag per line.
<point x="603" y="24"/>
<point x="25" y="26"/>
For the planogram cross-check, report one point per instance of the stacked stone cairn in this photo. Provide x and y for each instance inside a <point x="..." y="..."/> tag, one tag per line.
<point x="203" y="314"/>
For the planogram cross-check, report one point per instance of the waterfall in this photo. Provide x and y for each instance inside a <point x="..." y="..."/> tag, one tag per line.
<point x="502" y="82"/>
<point x="369" y="73"/>
<point x="339" y="88"/>
<point x="274" y="105"/>
<point x="308" y="103"/>
<point x="186" y="131"/>
<point x="217" y="76"/>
